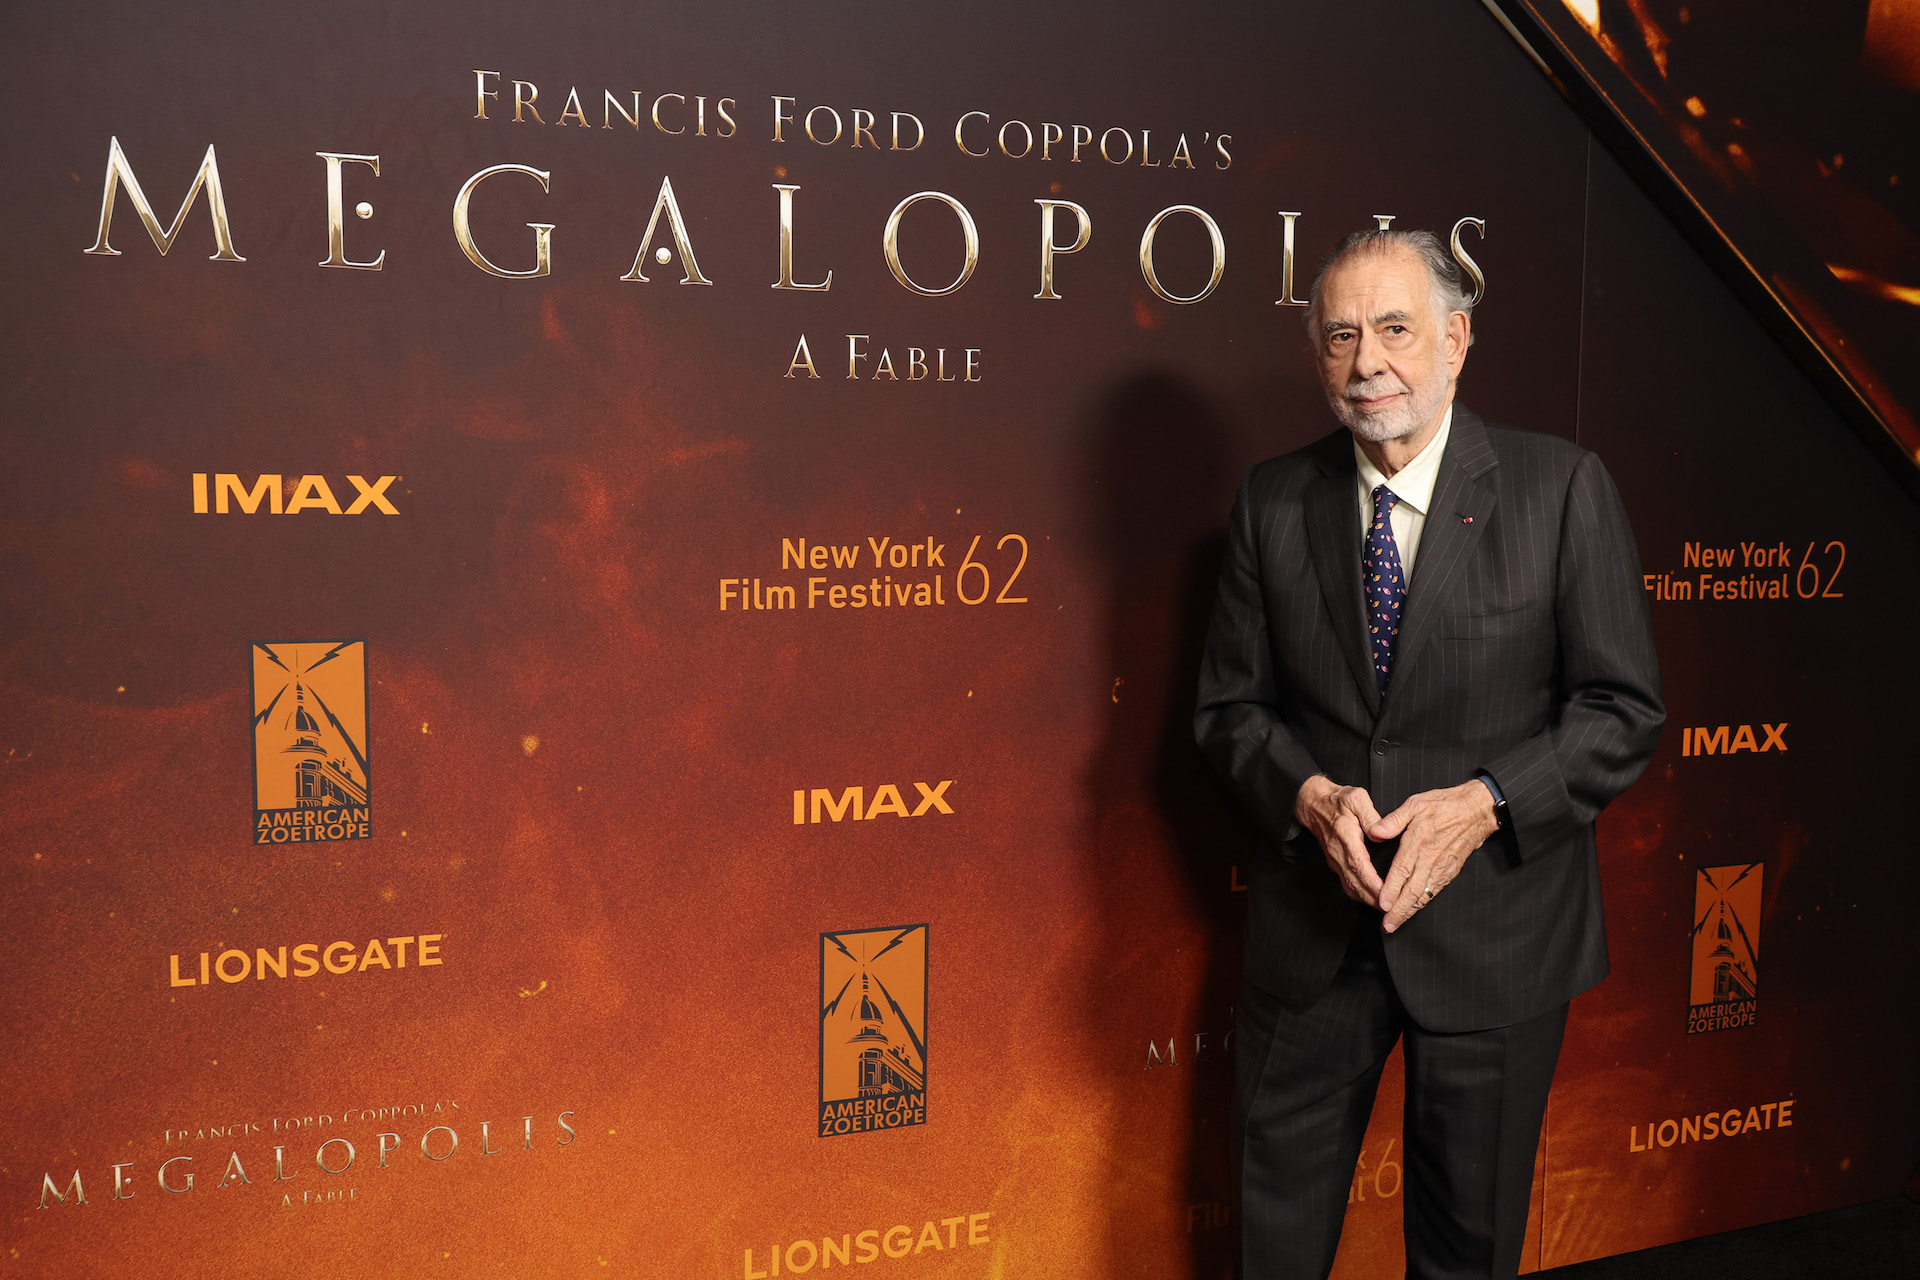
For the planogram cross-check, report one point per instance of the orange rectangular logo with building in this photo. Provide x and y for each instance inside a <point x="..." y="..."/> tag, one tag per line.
<point x="310" y="780"/>
<point x="873" y="1029"/>
<point x="1726" y="948"/>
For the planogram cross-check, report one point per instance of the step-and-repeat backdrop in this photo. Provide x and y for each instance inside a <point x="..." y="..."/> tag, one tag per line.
<point x="602" y="607"/>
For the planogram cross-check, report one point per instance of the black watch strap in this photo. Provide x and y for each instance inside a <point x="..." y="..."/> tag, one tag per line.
<point x="1501" y="814"/>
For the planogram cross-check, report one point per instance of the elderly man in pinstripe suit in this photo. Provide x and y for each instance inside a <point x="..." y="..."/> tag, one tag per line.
<point x="1430" y="667"/>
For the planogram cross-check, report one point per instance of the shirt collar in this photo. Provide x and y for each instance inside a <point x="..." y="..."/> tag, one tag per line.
<point x="1413" y="483"/>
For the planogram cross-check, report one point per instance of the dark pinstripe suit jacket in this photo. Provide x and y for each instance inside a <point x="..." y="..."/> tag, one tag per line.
<point x="1525" y="650"/>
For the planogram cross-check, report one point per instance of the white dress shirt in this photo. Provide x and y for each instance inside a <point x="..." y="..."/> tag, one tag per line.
<point x="1412" y="485"/>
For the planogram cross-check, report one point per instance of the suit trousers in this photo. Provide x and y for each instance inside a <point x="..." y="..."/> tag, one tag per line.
<point x="1304" y="1089"/>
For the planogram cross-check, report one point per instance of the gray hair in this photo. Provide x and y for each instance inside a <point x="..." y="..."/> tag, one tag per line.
<point x="1448" y="286"/>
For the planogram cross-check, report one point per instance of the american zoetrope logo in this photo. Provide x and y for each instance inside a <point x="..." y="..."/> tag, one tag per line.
<point x="1726" y="948"/>
<point x="310" y="778"/>
<point x="873" y="1029"/>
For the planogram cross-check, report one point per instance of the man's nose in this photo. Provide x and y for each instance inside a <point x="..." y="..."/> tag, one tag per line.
<point x="1369" y="356"/>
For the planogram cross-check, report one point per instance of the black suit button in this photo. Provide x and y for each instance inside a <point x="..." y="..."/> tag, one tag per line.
<point x="1380" y="747"/>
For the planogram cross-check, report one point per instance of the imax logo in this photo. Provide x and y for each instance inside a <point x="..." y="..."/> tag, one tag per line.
<point x="1725" y="740"/>
<point x="808" y="806"/>
<point x="310" y="493"/>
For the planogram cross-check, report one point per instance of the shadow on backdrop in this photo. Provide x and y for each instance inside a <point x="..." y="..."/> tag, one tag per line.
<point x="1167" y="844"/>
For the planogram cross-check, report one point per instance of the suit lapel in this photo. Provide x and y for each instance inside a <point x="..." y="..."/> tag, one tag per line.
<point x="1333" y="531"/>
<point x="1456" y="519"/>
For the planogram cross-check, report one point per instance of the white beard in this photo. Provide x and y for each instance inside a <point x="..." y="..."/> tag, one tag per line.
<point x="1403" y="418"/>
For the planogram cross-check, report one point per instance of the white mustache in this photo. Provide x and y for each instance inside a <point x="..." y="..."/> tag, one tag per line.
<point x="1374" y="389"/>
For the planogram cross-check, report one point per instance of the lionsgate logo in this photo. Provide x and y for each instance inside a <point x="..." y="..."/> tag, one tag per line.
<point x="873" y="1029"/>
<point x="1726" y="948"/>
<point x="310" y="779"/>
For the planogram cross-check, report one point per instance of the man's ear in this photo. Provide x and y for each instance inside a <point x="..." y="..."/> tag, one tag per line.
<point x="1459" y="337"/>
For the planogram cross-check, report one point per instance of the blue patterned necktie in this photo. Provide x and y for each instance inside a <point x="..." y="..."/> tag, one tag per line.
<point x="1385" y="583"/>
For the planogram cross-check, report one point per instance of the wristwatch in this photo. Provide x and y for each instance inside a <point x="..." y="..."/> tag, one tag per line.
<point x="1501" y="814"/>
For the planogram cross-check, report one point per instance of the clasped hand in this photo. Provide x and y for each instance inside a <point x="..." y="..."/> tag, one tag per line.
<point x="1437" y="830"/>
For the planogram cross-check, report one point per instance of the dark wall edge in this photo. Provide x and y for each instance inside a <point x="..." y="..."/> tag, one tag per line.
<point x="1545" y="48"/>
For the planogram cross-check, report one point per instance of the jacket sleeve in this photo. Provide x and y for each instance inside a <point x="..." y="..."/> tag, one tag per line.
<point x="1237" y="720"/>
<point x="1611" y="712"/>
